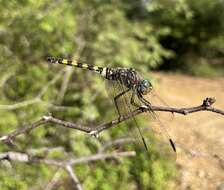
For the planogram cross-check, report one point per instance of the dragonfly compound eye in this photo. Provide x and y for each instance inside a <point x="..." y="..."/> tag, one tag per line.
<point x="145" y="87"/>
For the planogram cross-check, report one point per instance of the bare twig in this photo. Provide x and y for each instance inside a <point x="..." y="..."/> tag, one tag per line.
<point x="34" y="100"/>
<point x="65" y="82"/>
<point x="14" y="156"/>
<point x="30" y="102"/>
<point x="205" y="106"/>
<point x="6" y="77"/>
<point x="68" y="75"/>
<point x="53" y="81"/>
<point x="65" y="164"/>
<point x="57" y="107"/>
<point x="24" y="157"/>
<point x="20" y="104"/>
<point x="10" y="137"/>
<point x="101" y="156"/>
<point x="45" y="151"/>
<point x="74" y="178"/>
<point x="115" y="142"/>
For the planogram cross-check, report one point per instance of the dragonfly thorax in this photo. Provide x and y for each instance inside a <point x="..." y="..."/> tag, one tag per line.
<point x="127" y="77"/>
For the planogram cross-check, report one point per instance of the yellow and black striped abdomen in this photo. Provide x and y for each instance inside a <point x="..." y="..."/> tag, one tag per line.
<point x="78" y="64"/>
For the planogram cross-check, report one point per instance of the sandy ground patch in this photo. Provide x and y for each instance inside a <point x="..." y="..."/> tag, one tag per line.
<point x="201" y="133"/>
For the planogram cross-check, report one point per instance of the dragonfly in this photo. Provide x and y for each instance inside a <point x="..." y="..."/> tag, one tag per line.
<point x="129" y="81"/>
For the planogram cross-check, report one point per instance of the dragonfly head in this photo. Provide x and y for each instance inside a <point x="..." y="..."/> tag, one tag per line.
<point x="145" y="87"/>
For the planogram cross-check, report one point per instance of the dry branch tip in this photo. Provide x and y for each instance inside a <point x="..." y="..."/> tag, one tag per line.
<point x="208" y="102"/>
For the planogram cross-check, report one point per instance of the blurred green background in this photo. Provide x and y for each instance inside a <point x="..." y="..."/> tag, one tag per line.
<point x="176" y="36"/>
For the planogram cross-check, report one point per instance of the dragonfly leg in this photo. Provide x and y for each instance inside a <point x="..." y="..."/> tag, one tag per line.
<point x="133" y="100"/>
<point x="143" y="107"/>
<point x="145" y="102"/>
<point x="146" y="105"/>
<point x="116" y="102"/>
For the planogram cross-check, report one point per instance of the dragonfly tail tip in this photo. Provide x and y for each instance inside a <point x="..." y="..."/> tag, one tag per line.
<point x="173" y="145"/>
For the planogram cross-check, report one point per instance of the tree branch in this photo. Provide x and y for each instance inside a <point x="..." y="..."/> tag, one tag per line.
<point x="24" y="157"/>
<point x="74" y="178"/>
<point x="65" y="164"/>
<point x="116" y="142"/>
<point x="205" y="106"/>
<point x="20" y="104"/>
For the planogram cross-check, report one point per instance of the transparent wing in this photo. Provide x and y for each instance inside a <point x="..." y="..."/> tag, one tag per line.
<point x="156" y="135"/>
<point x="162" y="133"/>
<point x="159" y="126"/>
<point x="114" y="88"/>
<point x="161" y="130"/>
<point x="154" y="98"/>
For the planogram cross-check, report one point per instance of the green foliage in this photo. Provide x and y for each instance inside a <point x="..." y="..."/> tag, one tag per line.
<point x="204" y="69"/>
<point x="22" y="176"/>
<point x="195" y="30"/>
<point x="105" y="33"/>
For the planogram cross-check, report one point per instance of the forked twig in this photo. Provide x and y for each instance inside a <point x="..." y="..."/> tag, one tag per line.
<point x="64" y="164"/>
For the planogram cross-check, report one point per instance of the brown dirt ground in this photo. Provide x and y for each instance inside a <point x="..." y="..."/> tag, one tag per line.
<point x="201" y="133"/>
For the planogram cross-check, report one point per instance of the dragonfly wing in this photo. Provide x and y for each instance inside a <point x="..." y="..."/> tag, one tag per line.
<point x="161" y="131"/>
<point x="156" y="100"/>
<point x="113" y="89"/>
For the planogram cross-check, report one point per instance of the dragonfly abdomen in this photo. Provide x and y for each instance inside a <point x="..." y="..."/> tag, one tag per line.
<point x="100" y="70"/>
